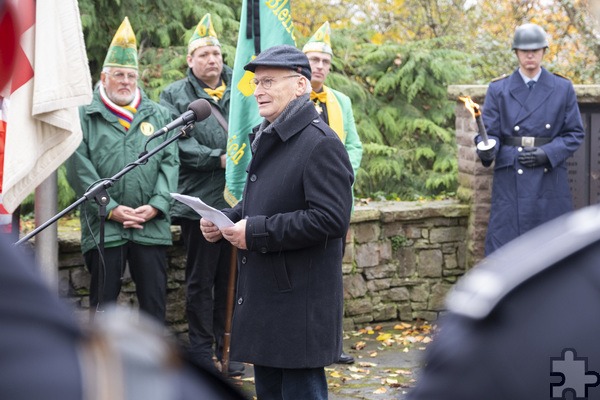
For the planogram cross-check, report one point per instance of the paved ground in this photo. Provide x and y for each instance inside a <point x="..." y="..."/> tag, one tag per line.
<point x="387" y="360"/>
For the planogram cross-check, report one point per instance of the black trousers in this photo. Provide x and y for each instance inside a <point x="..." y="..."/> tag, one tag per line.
<point x="148" y="268"/>
<point x="290" y="384"/>
<point x="207" y="276"/>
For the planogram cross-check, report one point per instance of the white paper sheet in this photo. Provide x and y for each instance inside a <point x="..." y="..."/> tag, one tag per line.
<point x="212" y="214"/>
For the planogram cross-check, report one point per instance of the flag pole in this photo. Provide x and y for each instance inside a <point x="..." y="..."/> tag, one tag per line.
<point x="46" y="243"/>
<point x="229" y="311"/>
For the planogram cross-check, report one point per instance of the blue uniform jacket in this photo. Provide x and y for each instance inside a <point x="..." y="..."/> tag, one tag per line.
<point x="523" y="198"/>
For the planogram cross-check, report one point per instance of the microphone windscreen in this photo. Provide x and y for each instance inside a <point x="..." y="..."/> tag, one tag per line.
<point x="201" y="109"/>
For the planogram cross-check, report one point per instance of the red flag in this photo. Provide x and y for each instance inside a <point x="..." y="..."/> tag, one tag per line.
<point x="50" y="80"/>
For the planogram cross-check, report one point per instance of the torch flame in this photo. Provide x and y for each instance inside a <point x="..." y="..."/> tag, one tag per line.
<point x="471" y="106"/>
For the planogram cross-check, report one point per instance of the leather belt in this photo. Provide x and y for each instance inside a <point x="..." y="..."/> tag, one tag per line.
<point x="525" y="141"/>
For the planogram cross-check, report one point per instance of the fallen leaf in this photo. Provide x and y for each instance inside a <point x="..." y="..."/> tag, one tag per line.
<point x="381" y="390"/>
<point x="373" y="354"/>
<point x="366" y="364"/>
<point x="356" y="376"/>
<point x="403" y="371"/>
<point x="335" y="374"/>
<point x="405" y="350"/>
<point x="384" y="336"/>
<point x="359" y="345"/>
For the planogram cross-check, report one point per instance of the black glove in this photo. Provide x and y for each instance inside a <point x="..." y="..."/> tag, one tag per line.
<point x="487" y="156"/>
<point x="533" y="157"/>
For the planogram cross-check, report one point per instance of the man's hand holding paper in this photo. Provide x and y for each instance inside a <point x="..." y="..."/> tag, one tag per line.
<point x="207" y="212"/>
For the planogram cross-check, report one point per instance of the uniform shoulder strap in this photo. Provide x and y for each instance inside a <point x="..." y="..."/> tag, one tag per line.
<point x="503" y="76"/>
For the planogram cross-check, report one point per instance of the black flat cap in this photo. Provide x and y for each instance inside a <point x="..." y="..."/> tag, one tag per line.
<point x="282" y="56"/>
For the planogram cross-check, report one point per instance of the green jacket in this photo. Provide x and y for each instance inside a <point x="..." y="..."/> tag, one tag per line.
<point x="200" y="173"/>
<point x="346" y="127"/>
<point x="105" y="150"/>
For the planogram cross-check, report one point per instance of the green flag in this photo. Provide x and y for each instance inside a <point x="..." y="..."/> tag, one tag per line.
<point x="263" y="24"/>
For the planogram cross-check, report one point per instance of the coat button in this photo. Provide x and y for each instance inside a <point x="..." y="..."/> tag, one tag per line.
<point x="263" y="250"/>
<point x="548" y="126"/>
<point x="516" y="128"/>
<point x="240" y="301"/>
<point x="315" y="121"/>
<point x="244" y="260"/>
<point x="519" y="149"/>
<point x="545" y="170"/>
<point x="520" y="171"/>
<point x="253" y="178"/>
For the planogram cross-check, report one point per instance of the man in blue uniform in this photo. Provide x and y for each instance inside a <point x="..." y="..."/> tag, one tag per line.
<point x="534" y="118"/>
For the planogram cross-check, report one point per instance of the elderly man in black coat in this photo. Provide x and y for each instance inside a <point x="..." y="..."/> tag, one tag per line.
<point x="289" y="229"/>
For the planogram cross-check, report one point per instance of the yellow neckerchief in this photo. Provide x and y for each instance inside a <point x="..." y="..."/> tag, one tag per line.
<point x="335" y="114"/>
<point x="320" y="97"/>
<point x="217" y="93"/>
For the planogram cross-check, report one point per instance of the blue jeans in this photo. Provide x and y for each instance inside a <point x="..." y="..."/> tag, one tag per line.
<point x="290" y="384"/>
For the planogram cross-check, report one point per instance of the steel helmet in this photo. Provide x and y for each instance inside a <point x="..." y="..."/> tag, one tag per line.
<point x="530" y="37"/>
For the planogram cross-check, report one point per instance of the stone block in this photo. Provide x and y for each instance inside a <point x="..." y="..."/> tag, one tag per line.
<point x="450" y="261"/>
<point x="395" y="294"/>
<point x="430" y="263"/>
<point x="377" y="285"/>
<point x="348" y="324"/>
<point x="424" y="315"/>
<point x="380" y="271"/>
<point x="414" y="232"/>
<point x="393" y="229"/>
<point x="67" y="260"/>
<point x="447" y="234"/>
<point x="438" y="296"/>
<point x="405" y="312"/>
<point x="367" y="254"/>
<point x="407" y="261"/>
<point x="367" y="232"/>
<point x="358" y="306"/>
<point x="363" y="319"/>
<point x="64" y="284"/>
<point x="385" y="312"/>
<point x="385" y="250"/>
<point x="80" y="278"/>
<point x="419" y="294"/>
<point x="354" y="286"/>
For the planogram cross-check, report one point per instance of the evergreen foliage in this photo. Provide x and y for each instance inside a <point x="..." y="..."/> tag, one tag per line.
<point x="403" y="115"/>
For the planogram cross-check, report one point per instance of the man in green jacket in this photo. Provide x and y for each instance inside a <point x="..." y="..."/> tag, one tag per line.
<point x="202" y="174"/>
<point x="334" y="107"/>
<point x="115" y="128"/>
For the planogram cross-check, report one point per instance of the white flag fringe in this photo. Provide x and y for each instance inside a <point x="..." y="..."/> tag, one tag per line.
<point x="43" y="127"/>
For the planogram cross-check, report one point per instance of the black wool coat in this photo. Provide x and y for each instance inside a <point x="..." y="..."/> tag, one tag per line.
<point x="297" y="201"/>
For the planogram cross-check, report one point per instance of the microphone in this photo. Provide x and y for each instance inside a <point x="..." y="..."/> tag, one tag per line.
<point x="198" y="110"/>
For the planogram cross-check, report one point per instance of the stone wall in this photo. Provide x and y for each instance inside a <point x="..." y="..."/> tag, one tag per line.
<point x="401" y="259"/>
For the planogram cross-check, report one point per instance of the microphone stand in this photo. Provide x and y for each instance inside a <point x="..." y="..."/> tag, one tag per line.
<point x="99" y="194"/>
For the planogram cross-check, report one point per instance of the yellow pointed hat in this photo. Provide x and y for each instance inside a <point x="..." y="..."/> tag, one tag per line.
<point x="123" y="48"/>
<point x="320" y="41"/>
<point x="204" y="35"/>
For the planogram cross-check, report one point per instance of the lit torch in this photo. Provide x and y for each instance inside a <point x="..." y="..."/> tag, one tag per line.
<point x="475" y="111"/>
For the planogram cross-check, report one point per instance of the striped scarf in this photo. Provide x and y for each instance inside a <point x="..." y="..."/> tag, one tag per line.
<point x="123" y="113"/>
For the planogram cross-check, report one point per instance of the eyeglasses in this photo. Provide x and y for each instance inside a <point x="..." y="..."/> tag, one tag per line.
<point x="120" y="76"/>
<point x="268" y="81"/>
<point x="317" y="61"/>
